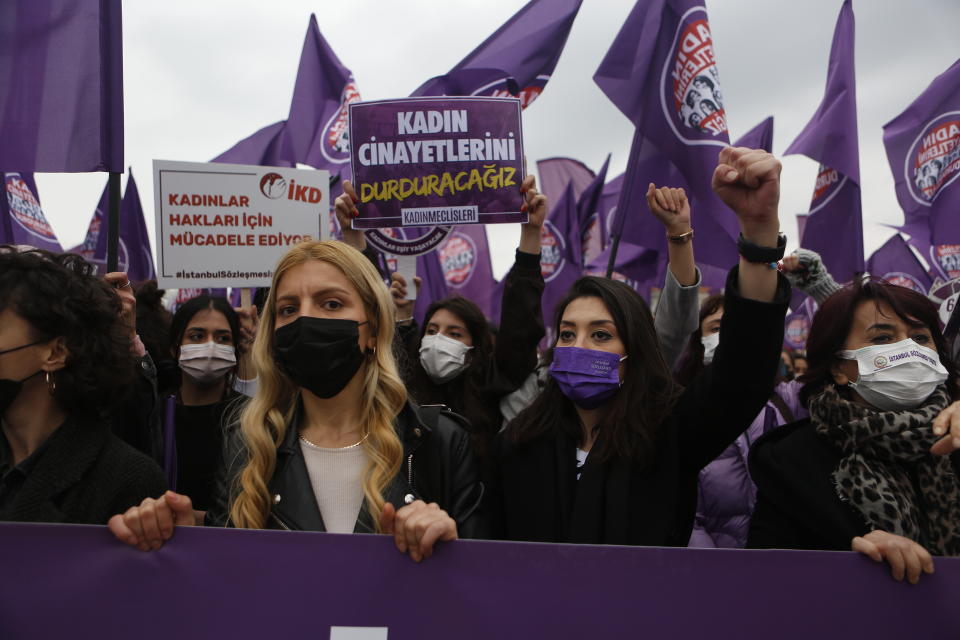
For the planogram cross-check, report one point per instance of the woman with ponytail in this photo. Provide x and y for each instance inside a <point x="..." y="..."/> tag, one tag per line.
<point x="330" y="442"/>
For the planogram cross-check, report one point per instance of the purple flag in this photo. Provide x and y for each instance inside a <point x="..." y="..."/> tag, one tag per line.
<point x="553" y="174"/>
<point x="465" y="259"/>
<point x="21" y="218"/>
<point x="269" y="147"/>
<point x="609" y="198"/>
<point x="88" y="247"/>
<point x="834" y="228"/>
<point x="760" y="137"/>
<point x="923" y="147"/>
<point x="636" y="266"/>
<point x="661" y="72"/>
<point x="593" y="237"/>
<point x="134" y="256"/>
<point x="796" y="329"/>
<point x="897" y="264"/>
<point x="516" y="60"/>
<point x="433" y="286"/>
<point x="317" y="123"/>
<point x="61" y="86"/>
<point x="560" y="255"/>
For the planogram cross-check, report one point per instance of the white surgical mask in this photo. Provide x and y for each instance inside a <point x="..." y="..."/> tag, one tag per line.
<point x="710" y="343"/>
<point x="207" y="362"/>
<point x="443" y="358"/>
<point x="896" y="377"/>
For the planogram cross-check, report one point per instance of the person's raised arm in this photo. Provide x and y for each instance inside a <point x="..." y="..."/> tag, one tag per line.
<point x="748" y="181"/>
<point x="678" y="308"/>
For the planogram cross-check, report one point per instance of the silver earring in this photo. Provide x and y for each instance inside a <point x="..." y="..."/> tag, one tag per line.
<point x="51" y="383"/>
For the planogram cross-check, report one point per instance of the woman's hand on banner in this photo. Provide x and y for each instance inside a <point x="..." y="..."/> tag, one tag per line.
<point x="671" y="207"/>
<point x="905" y="557"/>
<point x="535" y="205"/>
<point x="398" y="290"/>
<point x="151" y="523"/>
<point x="345" y="207"/>
<point x="417" y="527"/>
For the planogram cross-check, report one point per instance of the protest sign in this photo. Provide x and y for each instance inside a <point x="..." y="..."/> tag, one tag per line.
<point x="437" y="161"/>
<point x="79" y="582"/>
<point x="227" y="225"/>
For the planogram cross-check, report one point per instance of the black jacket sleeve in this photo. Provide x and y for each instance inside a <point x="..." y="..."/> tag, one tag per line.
<point x="726" y="396"/>
<point x="521" y="326"/>
<point x="464" y="491"/>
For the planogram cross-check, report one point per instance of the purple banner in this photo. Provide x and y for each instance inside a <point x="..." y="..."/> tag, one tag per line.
<point x="134" y="256"/>
<point x="437" y="161"/>
<point x="560" y="256"/>
<point x="268" y="147"/>
<point x="61" y="86"/>
<point x="21" y="218"/>
<point x="593" y="238"/>
<point x="77" y="581"/>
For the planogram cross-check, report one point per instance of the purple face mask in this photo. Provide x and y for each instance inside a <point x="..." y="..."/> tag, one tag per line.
<point x="586" y="376"/>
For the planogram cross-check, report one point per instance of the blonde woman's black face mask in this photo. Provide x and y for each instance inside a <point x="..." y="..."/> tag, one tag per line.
<point x="319" y="354"/>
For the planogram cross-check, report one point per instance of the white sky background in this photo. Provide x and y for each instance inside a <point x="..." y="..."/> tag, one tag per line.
<point x="202" y="74"/>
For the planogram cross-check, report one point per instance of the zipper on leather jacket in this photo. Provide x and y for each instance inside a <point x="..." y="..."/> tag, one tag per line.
<point x="410" y="469"/>
<point x="280" y="521"/>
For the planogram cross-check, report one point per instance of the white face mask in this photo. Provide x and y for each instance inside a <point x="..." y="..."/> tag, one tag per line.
<point x="443" y="358"/>
<point x="207" y="362"/>
<point x="896" y="377"/>
<point x="710" y="343"/>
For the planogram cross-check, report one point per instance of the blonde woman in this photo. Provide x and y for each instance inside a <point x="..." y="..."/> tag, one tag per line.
<point x="330" y="442"/>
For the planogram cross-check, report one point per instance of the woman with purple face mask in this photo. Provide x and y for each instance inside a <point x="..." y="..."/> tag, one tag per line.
<point x="203" y="339"/>
<point x="611" y="450"/>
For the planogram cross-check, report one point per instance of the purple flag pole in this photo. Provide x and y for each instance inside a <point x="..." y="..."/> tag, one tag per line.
<point x="834" y="227"/>
<point x="113" y="226"/>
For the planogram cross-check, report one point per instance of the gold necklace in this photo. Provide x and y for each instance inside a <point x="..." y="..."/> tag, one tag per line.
<point x="349" y="446"/>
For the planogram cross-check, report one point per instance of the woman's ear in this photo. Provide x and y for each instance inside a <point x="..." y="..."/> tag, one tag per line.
<point x="56" y="356"/>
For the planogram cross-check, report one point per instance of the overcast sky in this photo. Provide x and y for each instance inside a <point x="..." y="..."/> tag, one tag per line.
<point x="201" y="74"/>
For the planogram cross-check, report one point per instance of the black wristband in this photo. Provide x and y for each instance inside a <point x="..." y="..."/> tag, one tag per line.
<point x="762" y="255"/>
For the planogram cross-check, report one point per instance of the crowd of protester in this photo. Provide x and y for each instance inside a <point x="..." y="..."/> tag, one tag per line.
<point x="327" y="406"/>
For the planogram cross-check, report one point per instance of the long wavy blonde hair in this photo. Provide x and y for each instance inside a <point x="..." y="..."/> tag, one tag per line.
<point x="263" y="422"/>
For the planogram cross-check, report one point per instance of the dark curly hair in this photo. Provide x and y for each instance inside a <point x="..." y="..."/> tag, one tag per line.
<point x="59" y="296"/>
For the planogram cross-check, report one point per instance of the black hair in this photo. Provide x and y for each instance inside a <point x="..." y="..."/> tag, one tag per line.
<point x="691" y="362"/>
<point x="646" y="398"/>
<point x="153" y="320"/>
<point x="59" y="296"/>
<point x="462" y="393"/>
<point x="193" y="306"/>
<point x="834" y="319"/>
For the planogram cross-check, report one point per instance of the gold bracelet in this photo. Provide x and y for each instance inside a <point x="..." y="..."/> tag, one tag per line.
<point x="683" y="238"/>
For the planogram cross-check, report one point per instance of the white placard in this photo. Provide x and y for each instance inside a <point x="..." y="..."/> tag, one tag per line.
<point x="227" y="225"/>
<point x="407" y="267"/>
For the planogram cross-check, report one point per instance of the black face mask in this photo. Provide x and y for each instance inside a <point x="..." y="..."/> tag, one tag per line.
<point x="10" y="389"/>
<point x="319" y="354"/>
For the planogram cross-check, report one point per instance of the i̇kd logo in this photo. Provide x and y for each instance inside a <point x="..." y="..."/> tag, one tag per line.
<point x="273" y="186"/>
